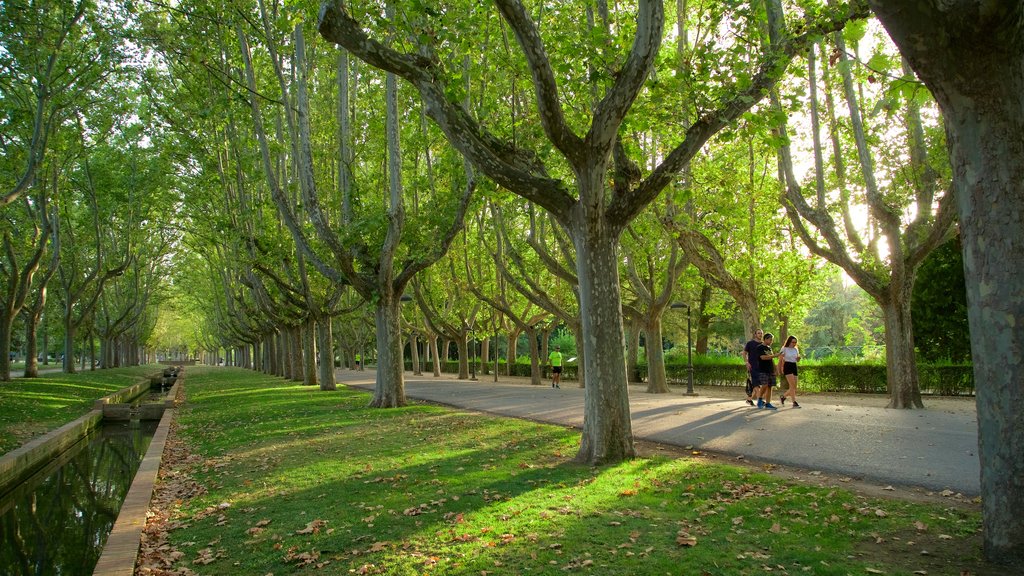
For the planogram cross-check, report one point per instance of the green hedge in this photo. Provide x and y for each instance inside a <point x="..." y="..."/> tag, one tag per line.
<point x="944" y="380"/>
<point x="939" y="380"/>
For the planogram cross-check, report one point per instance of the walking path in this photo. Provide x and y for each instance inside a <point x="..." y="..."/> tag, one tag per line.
<point x="935" y="448"/>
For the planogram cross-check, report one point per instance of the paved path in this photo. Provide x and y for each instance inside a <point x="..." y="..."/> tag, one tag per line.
<point x="931" y="449"/>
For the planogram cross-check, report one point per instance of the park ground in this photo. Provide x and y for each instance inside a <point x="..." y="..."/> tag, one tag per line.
<point x="265" y="476"/>
<point x="268" y="476"/>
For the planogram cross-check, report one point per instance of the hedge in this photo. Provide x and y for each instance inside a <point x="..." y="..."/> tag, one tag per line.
<point x="938" y="380"/>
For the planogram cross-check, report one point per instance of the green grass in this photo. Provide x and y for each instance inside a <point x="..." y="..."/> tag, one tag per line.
<point x="30" y="407"/>
<point x="298" y="481"/>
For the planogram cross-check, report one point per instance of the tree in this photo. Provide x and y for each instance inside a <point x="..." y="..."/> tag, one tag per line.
<point x="884" y="259"/>
<point x="969" y="54"/>
<point x="592" y="212"/>
<point x="22" y="255"/>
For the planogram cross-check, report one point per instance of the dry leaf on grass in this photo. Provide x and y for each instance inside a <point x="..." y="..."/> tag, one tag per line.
<point x="313" y="527"/>
<point x="685" y="539"/>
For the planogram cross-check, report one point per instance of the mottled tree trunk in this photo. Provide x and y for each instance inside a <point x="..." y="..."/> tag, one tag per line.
<point x="325" y="350"/>
<point x="462" y="345"/>
<point x="633" y="352"/>
<point x="6" y="324"/>
<point x="415" y="354"/>
<point x="607" y="430"/>
<point x="969" y="54"/>
<point x="389" y="391"/>
<point x="901" y="364"/>
<point x="434" y="356"/>
<point x="536" y="375"/>
<point x="657" y="382"/>
<point x="307" y="332"/>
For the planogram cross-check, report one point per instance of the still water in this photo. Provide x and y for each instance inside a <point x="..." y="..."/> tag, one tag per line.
<point x="57" y="522"/>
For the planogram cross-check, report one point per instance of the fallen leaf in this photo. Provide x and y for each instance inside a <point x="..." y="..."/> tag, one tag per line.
<point x="685" y="539"/>
<point x="313" y="527"/>
<point x="378" y="546"/>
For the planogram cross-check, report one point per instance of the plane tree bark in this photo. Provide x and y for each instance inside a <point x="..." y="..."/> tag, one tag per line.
<point x="969" y="54"/>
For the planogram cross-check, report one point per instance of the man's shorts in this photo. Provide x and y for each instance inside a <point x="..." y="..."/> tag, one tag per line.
<point x="766" y="379"/>
<point x="556" y="369"/>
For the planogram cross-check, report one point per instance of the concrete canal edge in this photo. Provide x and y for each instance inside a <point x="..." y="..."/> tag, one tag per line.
<point x="122" y="547"/>
<point x="21" y="463"/>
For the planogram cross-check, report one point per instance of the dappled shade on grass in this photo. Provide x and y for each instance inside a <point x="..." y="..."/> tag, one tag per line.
<point x="294" y="477"/>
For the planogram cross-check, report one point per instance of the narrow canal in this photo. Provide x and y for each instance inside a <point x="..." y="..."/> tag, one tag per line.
<point x="57" y="522"/>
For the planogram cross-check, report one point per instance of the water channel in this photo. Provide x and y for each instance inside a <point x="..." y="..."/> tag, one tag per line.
<point x="57" y="522"/>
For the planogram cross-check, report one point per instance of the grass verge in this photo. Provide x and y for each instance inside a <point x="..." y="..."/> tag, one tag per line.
<point x="270" y="477"/>
<point x="33" y="406"/>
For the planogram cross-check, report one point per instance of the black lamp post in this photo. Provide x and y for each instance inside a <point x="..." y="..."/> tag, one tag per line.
<point x="689" y="353"/>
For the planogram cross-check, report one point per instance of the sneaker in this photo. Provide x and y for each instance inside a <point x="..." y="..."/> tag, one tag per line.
<point x="795" y="404"/>
<point x="768" y="406"/>
<point x="750" y="402"/>
<point x="557" y="386"/>
<point x="760" y="403"/>
<point x="783" y="400"/>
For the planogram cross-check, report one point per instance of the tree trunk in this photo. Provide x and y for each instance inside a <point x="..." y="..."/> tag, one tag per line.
<point x="415" y="353"/>
<point x="901" y="365"/>
<point x="536" y="377"/>
<point x="462" y="345"/>
<point x="970" y="59"/>
<point x="307" y="332"/>
<point x="434" y="356"/>
<point x="485" y="351"/>
<point x="273" y="361"/>
<point x="657" y="382"/>
<point x="389" y="391"/>
<point x="633" y="353"/>
<point x="6" y="325"/>
<point x="325" y="349"/>
<point x="607" y="430"/>
<point x="297" y="335"/>
<point x="68" y="361"/>
<point x="31" y="350"/>
<point x="511" y="353"/>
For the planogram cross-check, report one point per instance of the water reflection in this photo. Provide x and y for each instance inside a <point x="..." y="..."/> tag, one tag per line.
<point x="58" y="521"/>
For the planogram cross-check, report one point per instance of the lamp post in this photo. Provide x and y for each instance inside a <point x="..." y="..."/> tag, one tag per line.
<point x="689" y="353"/>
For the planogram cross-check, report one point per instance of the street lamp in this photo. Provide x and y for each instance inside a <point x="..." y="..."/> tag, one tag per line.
<point x="689" y="353"/>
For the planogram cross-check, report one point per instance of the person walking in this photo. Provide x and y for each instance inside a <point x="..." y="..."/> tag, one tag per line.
<point x="766" y="372"/>
<point x="555" y="359"/>
<point x="750" y="357"/>
<point x="790" y="356"/>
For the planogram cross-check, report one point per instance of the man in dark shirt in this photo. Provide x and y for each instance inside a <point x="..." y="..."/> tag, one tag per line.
<point x="766" y="372"/>
<point x="751" y="358"/>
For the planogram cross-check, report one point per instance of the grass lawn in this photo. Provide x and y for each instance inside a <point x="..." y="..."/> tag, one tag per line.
<point x="270" y="477"/>
<point x="31" y="407"/>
